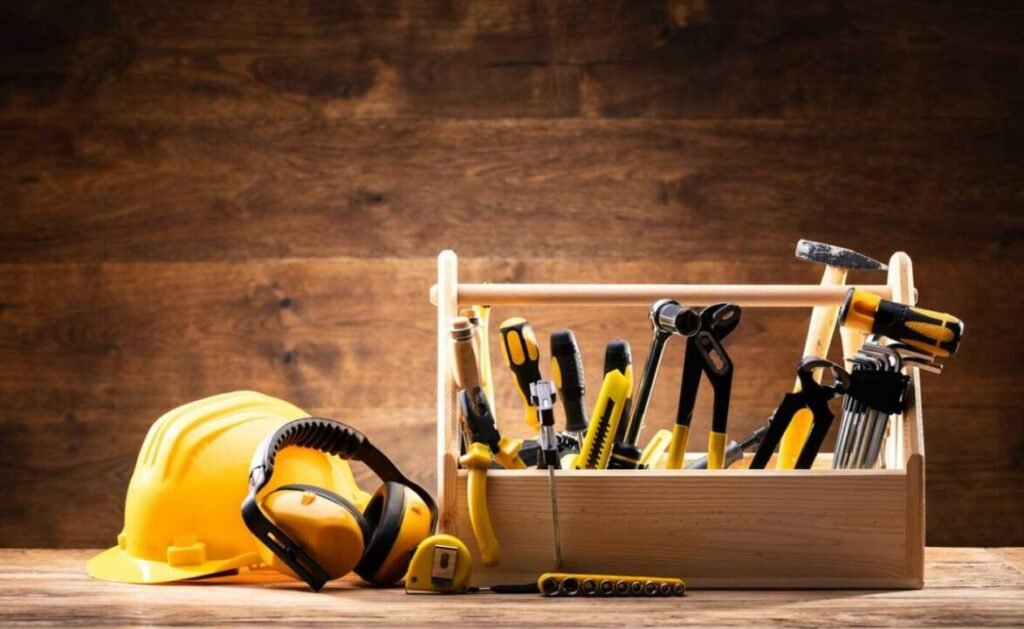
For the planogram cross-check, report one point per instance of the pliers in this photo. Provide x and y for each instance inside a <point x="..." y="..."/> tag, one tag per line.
<point x="813" y="396"/>
<point x="704" y="353"/>
<point x="485" y="445"/>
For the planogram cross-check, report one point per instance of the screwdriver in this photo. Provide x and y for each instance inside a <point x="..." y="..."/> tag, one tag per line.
<point x="519" y="347"/>
<point x="937" y="333"/>
<point x="542" y="397"/>
<point x="567" y="372"/>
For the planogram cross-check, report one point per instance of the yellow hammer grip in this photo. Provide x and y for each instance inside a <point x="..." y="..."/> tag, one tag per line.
<point x="477" y="459"/>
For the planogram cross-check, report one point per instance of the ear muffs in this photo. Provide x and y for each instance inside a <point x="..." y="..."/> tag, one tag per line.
<point x="330" y="527"/>
<point x="400" y="520"/>
<point x="317" y="535"/>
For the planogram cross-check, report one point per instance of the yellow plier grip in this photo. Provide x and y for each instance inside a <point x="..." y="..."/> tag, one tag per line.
<point x="477" y="459"/>
<point x="716" y="450"/>
<point x="507" y="455"/>
<point x="677" y="448"/>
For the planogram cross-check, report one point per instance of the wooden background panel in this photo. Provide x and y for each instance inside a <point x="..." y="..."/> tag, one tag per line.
<point x="496" y="59"/>
<point x="664" y="189"/>
<point x="196" y="197"/>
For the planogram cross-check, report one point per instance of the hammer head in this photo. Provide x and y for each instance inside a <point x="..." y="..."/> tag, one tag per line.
<point x="832" y="255"/>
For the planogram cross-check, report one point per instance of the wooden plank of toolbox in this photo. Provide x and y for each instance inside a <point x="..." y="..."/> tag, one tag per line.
<point x="817" y="528"/>
<point x="739" y="529"/>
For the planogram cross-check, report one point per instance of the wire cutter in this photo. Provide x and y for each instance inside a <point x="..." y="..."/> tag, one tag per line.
<point x="813" y="396"/>
<point x="704" y="353"/>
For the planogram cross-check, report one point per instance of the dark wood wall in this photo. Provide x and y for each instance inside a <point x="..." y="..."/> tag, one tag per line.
<point x="200" y="196"/>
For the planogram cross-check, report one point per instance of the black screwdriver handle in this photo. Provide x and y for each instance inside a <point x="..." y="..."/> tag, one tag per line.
<point x="567" y="369"/>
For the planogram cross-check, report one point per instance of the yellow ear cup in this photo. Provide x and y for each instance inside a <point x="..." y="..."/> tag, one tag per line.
<point x="400" y="520"/>
<point x="327" y="526"/>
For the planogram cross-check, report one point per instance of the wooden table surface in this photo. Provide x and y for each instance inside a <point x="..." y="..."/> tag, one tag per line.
<point x="964" y="586"/>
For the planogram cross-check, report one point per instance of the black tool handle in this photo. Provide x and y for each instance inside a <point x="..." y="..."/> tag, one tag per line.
<point x="819" y="429"/>
<point x="567" y="368"/>
<point x="625" y="456"/>
<point x="643" y="394"/>
<point x="791" y="403"/>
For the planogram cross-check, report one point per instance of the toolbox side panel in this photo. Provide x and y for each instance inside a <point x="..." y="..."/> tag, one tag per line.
<point x="738" y="529"/>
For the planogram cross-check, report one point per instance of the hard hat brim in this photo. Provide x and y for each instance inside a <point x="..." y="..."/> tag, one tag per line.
<point x="117" y="565"/>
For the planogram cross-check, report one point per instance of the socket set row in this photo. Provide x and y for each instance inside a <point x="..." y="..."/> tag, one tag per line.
<point x="562" y="584"/>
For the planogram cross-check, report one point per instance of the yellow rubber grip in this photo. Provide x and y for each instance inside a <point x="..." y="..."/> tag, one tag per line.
<point x="655" y="449"/>
<point x="522" y="356"/>
<point x="858" y="312"/>
<point x="507" y="455"/>
<point x="677" y="449"/>
<point x="793" y="439"/>
<point x="477" y="459"/>
<point x="716" y="450"/>
<point x="597" y="444"/>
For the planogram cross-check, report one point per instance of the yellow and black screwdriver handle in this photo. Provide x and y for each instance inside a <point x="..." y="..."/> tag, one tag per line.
<point x="519" y="347"/>
<point x="937" y="333"/>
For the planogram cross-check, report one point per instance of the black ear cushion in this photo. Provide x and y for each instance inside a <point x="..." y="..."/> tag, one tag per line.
<point x="365" y="527"/>
<point x="384" y="513"/>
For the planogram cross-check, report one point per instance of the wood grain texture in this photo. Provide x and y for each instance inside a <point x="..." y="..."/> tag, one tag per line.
<point x="735" y="529"/>
<point x="496" y="59"/>
<point x="197" y="197"/>
<point x="94" y="191"/>
<point x="963" y="587"/>
<point x="88" y="348"/>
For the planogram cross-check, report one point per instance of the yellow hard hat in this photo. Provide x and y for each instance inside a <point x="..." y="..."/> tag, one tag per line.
<point x="181" y="517"/>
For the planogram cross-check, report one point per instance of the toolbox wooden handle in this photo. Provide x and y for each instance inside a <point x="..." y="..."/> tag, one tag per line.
<point x="744" y="295"/>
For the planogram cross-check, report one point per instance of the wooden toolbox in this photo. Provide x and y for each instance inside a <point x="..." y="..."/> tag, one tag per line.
<point x="736" y="528"/>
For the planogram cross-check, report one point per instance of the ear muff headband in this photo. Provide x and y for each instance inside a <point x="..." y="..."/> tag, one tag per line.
<point x="328" y="436"/>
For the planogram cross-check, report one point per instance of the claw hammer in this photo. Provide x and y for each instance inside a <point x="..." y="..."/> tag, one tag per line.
<point x="838" y="262"/>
